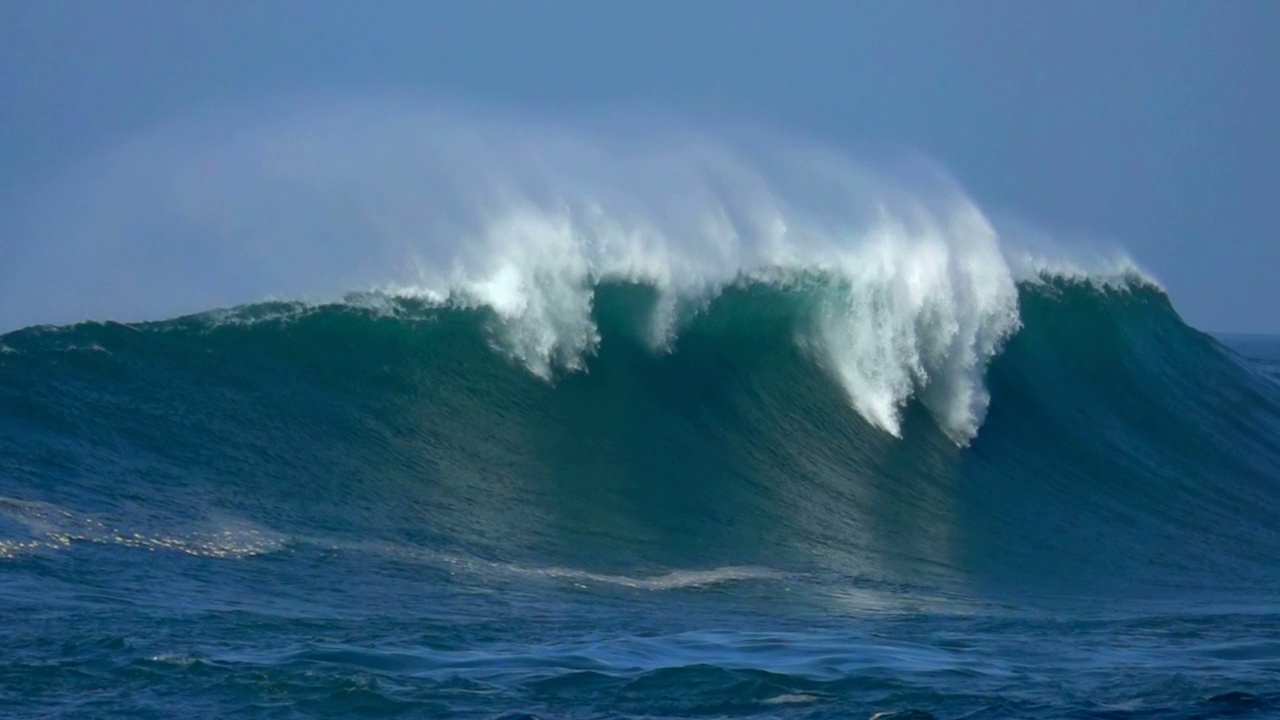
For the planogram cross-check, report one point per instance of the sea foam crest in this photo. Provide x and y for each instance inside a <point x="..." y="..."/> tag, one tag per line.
<point x="526" y="219"/>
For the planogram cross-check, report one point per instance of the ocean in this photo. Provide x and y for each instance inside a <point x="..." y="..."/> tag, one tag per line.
<point x="795" y="495"/>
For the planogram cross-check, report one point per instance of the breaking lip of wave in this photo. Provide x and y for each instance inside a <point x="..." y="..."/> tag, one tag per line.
<point x="918" y="294"/>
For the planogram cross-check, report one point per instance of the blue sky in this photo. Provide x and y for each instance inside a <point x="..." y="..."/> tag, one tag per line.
<point x="1151" y="124"/>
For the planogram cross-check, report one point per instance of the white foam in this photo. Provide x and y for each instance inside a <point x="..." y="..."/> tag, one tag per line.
<point x="90" y="348"/>
<point x="56" y="528"/>
<point x="1034" y="256"/>
<point x="792" y="699"/>
<point x="674" y="580"/>
<point x="455" y="563"/>
<point x="526" y="218"/>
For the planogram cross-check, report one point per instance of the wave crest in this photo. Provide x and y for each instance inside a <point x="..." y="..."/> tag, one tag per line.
<point x="528" y="220"/>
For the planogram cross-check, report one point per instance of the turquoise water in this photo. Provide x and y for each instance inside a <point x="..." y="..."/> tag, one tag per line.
<point x="373" y="509"/>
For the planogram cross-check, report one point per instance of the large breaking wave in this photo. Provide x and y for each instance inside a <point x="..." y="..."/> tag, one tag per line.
<point x="909" y="291"/>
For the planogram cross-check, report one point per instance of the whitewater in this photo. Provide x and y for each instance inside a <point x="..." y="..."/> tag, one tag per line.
<point x="373" y="408"/>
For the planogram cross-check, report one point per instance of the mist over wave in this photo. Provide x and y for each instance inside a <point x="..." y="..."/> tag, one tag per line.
<point x="917" y="289"/>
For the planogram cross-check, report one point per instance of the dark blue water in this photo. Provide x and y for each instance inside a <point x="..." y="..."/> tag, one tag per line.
<point x="341" y="511"/>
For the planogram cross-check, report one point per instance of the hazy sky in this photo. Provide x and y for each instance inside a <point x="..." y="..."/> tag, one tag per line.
<point x="1153" y="124"/>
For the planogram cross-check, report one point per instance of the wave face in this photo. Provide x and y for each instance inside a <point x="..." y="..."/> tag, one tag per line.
<point x="756" y="431"/>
